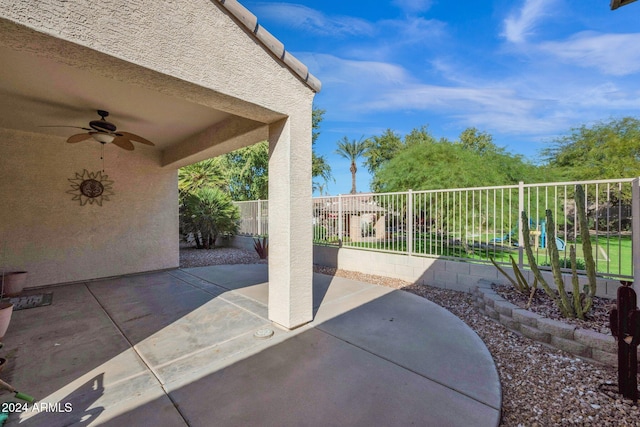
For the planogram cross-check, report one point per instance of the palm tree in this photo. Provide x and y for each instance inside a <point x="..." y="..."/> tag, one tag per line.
<point x="207" y="173"/>
<point x="207" y="213"/>
<point x="352" y="150"/>
<point x="320" y="169"/>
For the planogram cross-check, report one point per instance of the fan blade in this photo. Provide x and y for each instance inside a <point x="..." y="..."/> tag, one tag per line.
<point x="136" y="138"/>
<point x="123" y="142"/>
<point x="79" y="137"/>
<point x="63" y="126"/>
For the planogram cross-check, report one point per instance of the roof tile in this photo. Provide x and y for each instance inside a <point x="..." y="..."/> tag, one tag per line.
<point x="250" y="22"/>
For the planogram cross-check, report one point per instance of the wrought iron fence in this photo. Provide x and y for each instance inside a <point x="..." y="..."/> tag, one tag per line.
<point x="254" y="217"/>
<point x="474" y="224"/>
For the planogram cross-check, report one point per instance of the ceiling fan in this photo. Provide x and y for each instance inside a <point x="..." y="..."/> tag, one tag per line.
<point x="104" y="132"/>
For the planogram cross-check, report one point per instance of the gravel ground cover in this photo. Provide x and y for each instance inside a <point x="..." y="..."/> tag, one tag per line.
<point x="192" y="257"/>
<point x="541" y="386"/>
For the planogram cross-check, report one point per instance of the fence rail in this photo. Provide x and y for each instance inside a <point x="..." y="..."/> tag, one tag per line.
<point x="475" y="224"/>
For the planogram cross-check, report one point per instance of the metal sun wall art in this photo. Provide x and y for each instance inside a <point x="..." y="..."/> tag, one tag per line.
<point x="90" y="187"/>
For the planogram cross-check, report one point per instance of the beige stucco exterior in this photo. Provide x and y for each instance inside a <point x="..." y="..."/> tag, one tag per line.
<point x="189" y="76"/>
<point x="56" y="239"/>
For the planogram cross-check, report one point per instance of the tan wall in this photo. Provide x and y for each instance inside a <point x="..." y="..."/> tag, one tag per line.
<point x="191" y="50"/>
<point x="55" y="239"/>
<point x="194" y="41"/>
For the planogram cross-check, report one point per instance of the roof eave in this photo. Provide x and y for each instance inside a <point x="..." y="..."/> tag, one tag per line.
<point x="248" y="20"/>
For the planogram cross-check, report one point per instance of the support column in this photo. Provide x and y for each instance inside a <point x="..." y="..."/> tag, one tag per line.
<point x="290" y="222"/>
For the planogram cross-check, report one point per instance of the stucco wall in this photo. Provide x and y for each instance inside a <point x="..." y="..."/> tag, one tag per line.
<point x="191" y="50"/>
<point x="55" y="239"/>
<point x="194" y="41"/>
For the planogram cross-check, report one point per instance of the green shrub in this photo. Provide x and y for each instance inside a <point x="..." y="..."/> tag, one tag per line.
<point x="208" y="213"/>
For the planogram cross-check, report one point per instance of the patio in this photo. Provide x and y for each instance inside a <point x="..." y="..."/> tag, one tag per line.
<point x="179" y="348"/>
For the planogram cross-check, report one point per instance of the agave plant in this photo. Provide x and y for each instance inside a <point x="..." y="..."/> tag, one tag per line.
<point x="261" y="247"/>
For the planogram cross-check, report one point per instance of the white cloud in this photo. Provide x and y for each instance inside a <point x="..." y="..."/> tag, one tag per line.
<point x="361" y="88"/>
<point x="534" y="102"/>
<point x="495" y="108"/>
<point x="354" y="73"/>
<point x="521" y="24"/>
<point x="413" y="6"/>
<point x="412" y="30"/>
<point x="307" y="19"/>
<point x="612" y="54"/>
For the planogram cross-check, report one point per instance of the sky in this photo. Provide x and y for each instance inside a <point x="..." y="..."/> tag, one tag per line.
<point x="525" y="71"/>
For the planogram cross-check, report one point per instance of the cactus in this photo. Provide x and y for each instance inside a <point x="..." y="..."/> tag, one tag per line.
<point x="520" y="283"/>
<point x="581" y="303"/>
<point x="624" y="321"/>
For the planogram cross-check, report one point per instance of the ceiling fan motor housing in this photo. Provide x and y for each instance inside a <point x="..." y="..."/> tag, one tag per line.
<point x="102" y="126"/>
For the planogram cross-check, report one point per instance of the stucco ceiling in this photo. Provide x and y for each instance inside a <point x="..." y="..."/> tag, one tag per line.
<point x="37" y="91"/>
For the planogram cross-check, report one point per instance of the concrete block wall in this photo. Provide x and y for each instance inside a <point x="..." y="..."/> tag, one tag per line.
<point x="442" y="273"/>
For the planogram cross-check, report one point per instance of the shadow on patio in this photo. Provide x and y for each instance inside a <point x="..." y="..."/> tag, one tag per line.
<point x="178" y="348"/>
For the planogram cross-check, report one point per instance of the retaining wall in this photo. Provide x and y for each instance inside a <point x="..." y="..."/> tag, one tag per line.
<point x="438" y="272"/>
<point x="442" y="273"/>
<point x="572" y="339"/>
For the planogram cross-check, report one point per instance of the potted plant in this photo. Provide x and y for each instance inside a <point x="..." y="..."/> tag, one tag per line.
<point x="6" y="310"/>
<point x="14" y="283"/>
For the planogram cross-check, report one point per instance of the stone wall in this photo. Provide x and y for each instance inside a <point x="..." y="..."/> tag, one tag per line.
<point x="564" y="336"/>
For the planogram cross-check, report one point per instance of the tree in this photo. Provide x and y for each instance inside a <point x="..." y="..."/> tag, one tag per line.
<point x="317" y="114"/>
<point x="381" y="149"/>
<point x="480" y="142"/>
<point x="513" y="167"/>
<point x="319" y="166"/>
<point x="352" y="151"/>
<point x="419" y="136"/>
<point x="207" y="173"/>
<point x="208" y="213"/>
<point x="320" y="169"/>
<point x="605" y="150"/>
<point x="247" y="172"/>
<point x="445" y="164"/>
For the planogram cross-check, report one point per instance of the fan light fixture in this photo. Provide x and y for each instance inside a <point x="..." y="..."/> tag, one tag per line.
<point x="102" y="138"/>
<point x="105" y="132"/>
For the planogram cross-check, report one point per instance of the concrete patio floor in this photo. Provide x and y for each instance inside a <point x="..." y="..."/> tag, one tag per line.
<point x="178" y="348"/>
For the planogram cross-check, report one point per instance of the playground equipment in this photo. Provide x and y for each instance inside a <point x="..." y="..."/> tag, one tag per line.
<point x="511" y="236"/>
<point x="538" y="230"/>
<point x="542" y="227"/>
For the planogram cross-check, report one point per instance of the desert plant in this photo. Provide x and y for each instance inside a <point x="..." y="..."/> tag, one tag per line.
<point x="520" y="283"/>
<point x="208" y="213"/>
<point x="261" y="247"/>
<point x="581" y="302"/>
